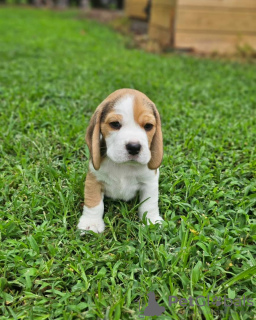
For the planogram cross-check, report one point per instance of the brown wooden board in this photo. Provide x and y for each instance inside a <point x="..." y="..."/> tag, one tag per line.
<point x="161" y="25"/>
<point x="162" y="17"/>
<point x="164" y="2"/>
<point x="161" y="35"/>
<point x="251" y="4"/>
<point x="217" y="21"/>
<point x="221" y="43"/>
<point x="136" y="8"/>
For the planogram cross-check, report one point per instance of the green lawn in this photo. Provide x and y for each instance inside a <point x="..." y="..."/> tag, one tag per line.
<point x="54" y="71"/>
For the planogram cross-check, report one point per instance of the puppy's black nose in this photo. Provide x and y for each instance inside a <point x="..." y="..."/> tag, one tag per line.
<point x="133" y="148"/>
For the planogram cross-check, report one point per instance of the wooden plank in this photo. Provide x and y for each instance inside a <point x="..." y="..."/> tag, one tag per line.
<point x="220" y="21"/>
<point x="208" y="43"/>
<point x="136" y="8"/>
<point x="251" y="4"/>
<point x="161" y="35"/>
<point x="162" y="17"/>
<point x="169" y="3"/>
<point x="161" y="24"/>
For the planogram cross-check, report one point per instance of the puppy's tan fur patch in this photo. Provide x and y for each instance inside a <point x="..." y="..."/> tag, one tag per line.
<point x="105" y="126"/>
<point x="143" y="114"/>
<point x="92" y="191"/>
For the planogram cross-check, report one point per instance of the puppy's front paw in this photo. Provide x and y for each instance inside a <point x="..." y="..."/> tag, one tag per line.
<point x="154" y="219"/>
<point x="96" y="225"/>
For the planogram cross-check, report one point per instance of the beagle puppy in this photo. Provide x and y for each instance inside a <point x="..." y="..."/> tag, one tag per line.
<point x="126" y="147"/>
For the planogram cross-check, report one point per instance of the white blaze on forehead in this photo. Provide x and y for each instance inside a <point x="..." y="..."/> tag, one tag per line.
<point x="130" y="131"/>
<point x="124" y="107"/>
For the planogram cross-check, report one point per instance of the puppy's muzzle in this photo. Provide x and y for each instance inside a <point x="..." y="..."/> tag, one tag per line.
<point x="133" y="148"/>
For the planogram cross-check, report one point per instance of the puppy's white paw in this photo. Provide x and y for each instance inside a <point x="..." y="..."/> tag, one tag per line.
<point x="155" y="219"/>
<point x="91" y="219"/>
<point x="96" y="225"/>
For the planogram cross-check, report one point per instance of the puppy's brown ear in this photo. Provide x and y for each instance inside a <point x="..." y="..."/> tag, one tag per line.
<point x="92" y="137"/>
<point x="156" y="147"/>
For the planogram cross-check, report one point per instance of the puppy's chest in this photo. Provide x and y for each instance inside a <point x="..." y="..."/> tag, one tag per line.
<point x="124" y="188"/>
<point x="119" y="184"/>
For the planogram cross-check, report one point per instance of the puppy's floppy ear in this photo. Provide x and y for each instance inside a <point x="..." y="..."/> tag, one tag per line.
<point x="92" y="137"/>
<point x="156" y="146"/>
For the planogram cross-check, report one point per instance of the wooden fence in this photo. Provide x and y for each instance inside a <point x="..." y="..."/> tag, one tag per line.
<point x="215" y="25"/>
<point x="202" y="25"/>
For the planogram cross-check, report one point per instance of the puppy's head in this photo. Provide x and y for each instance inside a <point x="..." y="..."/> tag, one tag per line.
<point x="126" y="127"/>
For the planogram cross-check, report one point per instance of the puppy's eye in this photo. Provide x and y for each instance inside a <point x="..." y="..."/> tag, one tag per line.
<point x="115" y="125"/>
<point x="148" y="126"/>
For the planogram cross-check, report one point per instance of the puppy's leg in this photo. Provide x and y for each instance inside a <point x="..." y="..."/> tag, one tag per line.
<point x="92" y="217"/>
<point x="149" y="191"/>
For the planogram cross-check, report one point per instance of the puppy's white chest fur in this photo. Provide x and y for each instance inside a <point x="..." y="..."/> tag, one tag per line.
<point x="121" y="181"/>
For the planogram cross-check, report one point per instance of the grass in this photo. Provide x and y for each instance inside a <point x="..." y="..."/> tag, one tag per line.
<point x="54" y="71"/>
